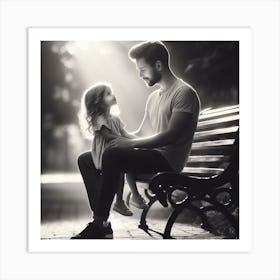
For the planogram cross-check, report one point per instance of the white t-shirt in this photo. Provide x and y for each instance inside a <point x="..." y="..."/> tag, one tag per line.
<point x="99" y="144"/>
<point x="180" y="97"/>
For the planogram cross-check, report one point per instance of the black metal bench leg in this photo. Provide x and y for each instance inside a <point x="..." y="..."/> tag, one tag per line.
<point x="171" y="220"/>
<point x="143" y="225"/>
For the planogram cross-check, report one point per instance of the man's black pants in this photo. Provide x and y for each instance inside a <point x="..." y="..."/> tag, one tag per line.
<point x="92" y="178"/>
<point x="115" y="162"/>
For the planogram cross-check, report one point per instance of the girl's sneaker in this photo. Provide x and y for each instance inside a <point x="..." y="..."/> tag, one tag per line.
<point x="139" y="202"/>
<point x="121" y="208"/>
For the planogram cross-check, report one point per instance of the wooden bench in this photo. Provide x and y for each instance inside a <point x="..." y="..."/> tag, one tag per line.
<point x="210" y="179"/>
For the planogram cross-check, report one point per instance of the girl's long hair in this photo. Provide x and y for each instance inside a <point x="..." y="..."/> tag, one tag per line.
<point x="92" y="105"/>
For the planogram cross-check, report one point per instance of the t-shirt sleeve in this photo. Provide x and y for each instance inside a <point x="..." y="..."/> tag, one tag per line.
<point x="187" y="101"/>
<point x="118" y="124"/>
<point x="121" y="124"/>
<point x="100" y="121"/>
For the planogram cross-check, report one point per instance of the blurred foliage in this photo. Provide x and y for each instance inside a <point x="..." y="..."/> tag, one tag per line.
<point x="60" y="93"/>
<point x="60" y="84"/>
<point x="211" y="67"/>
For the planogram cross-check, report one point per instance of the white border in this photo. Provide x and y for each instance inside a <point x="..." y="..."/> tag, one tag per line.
<point x="243" y="35"/>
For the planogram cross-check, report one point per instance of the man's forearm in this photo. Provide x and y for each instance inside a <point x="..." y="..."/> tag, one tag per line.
<point x="136" y="133"/>
<point x="126" y="134"/>
<point x="181" y="126"/>
<point x="154" y="141"/>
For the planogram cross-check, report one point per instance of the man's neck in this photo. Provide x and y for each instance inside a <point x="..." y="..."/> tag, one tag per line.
<point x="168" y="79"/>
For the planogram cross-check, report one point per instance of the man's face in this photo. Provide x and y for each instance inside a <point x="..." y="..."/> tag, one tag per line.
<point x="147" y="72"/>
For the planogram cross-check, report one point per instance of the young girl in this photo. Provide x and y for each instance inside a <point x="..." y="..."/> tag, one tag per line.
<point x="98" y="100"/>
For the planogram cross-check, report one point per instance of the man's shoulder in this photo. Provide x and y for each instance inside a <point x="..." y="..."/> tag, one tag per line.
<point x="185" y="94"/>
<point x="184" y="91"/>
<point x="184" y="87"/>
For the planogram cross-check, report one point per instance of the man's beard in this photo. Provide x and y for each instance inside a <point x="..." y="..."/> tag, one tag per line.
<point x="152" y="81"/>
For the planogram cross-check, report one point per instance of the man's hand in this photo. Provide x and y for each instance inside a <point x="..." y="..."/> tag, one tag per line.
<point x="121" y="142"/>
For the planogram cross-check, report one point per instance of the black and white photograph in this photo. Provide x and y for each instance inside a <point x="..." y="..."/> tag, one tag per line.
<point x="139" y="140"/>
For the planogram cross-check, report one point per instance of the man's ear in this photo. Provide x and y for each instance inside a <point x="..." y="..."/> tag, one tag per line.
<point x="158" y="65"/>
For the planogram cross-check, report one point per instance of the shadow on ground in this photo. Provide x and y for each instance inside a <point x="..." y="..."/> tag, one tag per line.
<point x="65" y="211"/>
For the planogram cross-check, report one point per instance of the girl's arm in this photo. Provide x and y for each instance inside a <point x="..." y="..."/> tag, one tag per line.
<point x="125" y="134"/>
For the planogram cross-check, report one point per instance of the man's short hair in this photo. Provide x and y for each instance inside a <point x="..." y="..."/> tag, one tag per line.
<point x="151" y="52"/>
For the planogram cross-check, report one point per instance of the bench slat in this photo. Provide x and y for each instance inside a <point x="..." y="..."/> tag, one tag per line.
<point x="218" y="121"/>
<point x="217" y="114"/>
<point x="211" y="111"/>
<point x="211" y="158"/>
<point x="216" y="137"/>
<point x="224" y="150"/>
<point x="215" y="143"/>
<point x="208" y="164"/>
<point x="217" y="125"/>
<point x="202" y="170"/>
<point x="208" y="161"/>
<point x="220" y="132"/>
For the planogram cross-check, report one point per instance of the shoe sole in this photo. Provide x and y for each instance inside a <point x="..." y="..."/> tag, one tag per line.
<point x="122" y="213"/>
<point x="107" y="236"/>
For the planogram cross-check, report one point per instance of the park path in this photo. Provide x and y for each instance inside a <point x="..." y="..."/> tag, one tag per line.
<point x="65" y="212"/>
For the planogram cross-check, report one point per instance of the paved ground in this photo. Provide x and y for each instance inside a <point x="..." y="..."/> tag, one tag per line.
<point x="65" y="212"/>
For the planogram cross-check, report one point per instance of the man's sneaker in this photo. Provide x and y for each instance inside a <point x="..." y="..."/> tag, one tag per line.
<point x="121" y="208"/>
<point x="139" y="202"/>
<point x="94" y="230"/>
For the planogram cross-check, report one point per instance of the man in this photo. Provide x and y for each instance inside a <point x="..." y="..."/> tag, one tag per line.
<point x="172" y="113"/>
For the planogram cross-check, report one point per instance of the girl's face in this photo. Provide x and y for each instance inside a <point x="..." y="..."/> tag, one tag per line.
<point x="109" y="98"/>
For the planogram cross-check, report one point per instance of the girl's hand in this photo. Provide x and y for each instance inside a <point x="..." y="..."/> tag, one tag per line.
<point x="120" y="142"/>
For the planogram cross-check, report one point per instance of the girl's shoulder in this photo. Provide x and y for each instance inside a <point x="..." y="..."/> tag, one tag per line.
<point x="116" y="120"/>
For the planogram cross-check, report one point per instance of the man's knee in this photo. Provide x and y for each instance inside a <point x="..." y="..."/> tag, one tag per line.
<point x="113" y="151"/>
<point x="84" y="159"/>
